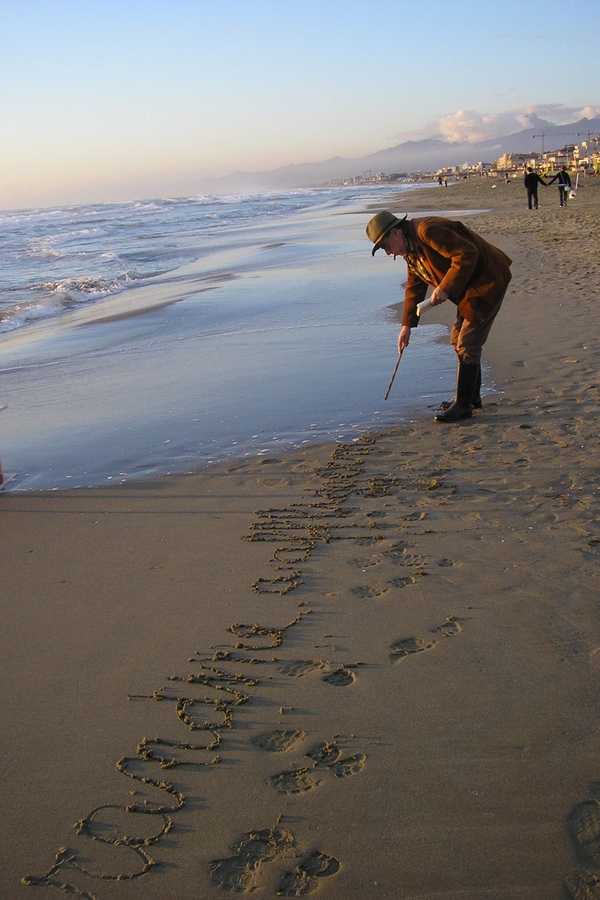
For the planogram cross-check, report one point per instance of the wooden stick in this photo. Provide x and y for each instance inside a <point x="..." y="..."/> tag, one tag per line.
<point x="387" y="393"/>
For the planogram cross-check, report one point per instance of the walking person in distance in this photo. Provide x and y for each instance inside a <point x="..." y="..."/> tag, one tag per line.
<point x="531" y="181"/>
<point x="564" y="185"/>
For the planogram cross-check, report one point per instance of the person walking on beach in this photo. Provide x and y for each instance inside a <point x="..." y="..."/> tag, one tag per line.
<point x="564" y="185"/>
<point x="531" y="181"/>
<point x="461" y="267"/>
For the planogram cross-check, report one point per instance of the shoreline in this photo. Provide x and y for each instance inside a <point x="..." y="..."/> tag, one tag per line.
<point x="215" y="375"/>
<point x="413" y="710"/>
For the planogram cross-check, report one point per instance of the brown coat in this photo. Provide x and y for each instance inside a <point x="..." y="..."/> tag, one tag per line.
<point x="473" y="273"/>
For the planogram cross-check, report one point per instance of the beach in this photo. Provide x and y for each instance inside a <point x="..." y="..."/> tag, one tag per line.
<point x="358" y="669"/>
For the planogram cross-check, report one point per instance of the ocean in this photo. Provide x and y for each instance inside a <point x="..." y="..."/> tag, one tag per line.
<point x="145" y="338"/>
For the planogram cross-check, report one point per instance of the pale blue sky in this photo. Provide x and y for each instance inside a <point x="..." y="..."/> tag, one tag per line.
<point x="117" y="99"/>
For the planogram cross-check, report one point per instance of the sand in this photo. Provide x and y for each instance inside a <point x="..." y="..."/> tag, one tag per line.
<point x="366" y="670"/>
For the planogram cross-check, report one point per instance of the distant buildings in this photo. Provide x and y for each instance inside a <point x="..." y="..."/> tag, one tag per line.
<point x="583" y="158"/>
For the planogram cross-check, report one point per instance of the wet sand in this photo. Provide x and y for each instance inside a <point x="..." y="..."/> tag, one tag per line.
<point x="354" y="671"/>
<point x="203" y="363"/>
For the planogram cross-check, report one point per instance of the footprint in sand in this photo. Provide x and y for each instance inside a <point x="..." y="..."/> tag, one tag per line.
<point x="350" y="765"/>
<point x="278" y="741"/>
<point x="239" y="873"/>
<point x="328" y="755"/>
<point x="365" y="592"/>
<point x="584" y="830"/>
<point x="400" y="650"/>
<point x="340" y="677"/>
<point x="402" y="555"/>
<point x="297" y="781"/>
<point x="450" y="627"/>
<point x="300" y="667"/>
<point x="324" y="754"/>
<point x="403" y="581"/>
<point x="415" y="560"/>
<point x="304" y="879"/>
<point x="325" y="757"/>
<point x="367" y="563"/>
<point x="582" y="885"/>
<point x="396" y="551"/>
<point x="367" y="541"/>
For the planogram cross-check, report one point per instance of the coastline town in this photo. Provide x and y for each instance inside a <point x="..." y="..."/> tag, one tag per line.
<point x="582" y="159"/>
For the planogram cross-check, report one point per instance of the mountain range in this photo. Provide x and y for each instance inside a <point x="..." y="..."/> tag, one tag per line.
<point x="425" y="156"/>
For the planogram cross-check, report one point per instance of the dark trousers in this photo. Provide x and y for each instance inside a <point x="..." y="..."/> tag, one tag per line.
<point x="468" y="339"/>
<point x="532" y="198"/>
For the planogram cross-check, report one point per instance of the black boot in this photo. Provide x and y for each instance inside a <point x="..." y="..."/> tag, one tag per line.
<point x="462" y="408"/>
<point x="476" y="402"/>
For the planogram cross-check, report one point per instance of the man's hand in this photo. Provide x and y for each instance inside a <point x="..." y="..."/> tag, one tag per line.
<point x="438" y="296"/>
<point x="403" y="338"/>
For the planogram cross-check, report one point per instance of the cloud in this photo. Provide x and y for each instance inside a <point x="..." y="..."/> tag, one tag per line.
<point x="470" y="127"/>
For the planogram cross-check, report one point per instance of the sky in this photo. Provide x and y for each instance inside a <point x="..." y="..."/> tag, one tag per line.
<point x="105" y="100"/>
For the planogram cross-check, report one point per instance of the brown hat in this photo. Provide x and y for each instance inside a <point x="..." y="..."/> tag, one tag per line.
<point x="380" y="226"/>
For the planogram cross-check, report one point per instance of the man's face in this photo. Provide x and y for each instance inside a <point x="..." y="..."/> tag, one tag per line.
<point x="394" y="244"/>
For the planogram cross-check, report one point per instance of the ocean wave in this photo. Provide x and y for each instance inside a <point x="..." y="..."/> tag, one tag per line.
<point x="33" y="311"/>
<point x="86" y="285"/>
<point x="48" y="254"/>
<point x="55" y="297"/>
